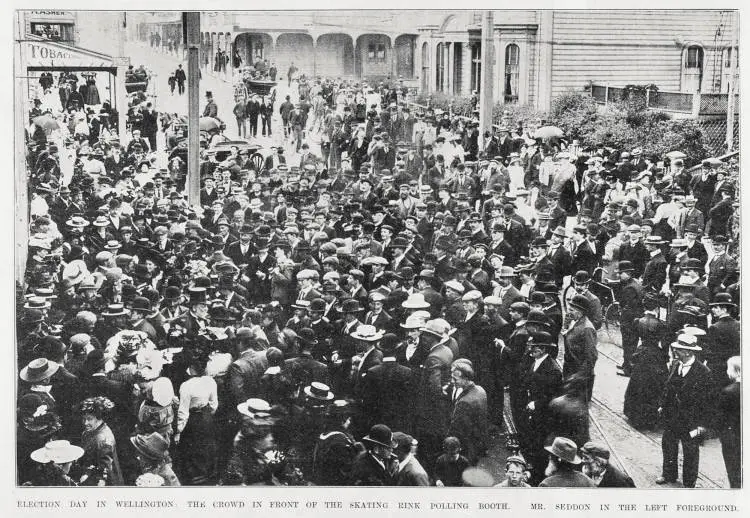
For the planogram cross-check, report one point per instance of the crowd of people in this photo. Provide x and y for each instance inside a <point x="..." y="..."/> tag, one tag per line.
<point x="382" y="312"/>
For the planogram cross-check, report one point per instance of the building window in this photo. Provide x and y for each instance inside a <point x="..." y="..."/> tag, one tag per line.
<point x="376" y="52"/>
<point x="54" y="31"/>
<point x="512" y="58"/>
<point x="729" y="56"/>
<point x="476" y="67"/>
<point x="692" y="69"/>
<point x="439" y="66"/>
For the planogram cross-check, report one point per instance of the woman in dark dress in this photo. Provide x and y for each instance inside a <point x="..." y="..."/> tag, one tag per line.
<point x="98" y="441"/>
<point x="730" y="423"/>
<point x="649" y="371"/>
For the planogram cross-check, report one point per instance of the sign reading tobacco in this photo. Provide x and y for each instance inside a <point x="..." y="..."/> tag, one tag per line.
<point x="39" y="54"/>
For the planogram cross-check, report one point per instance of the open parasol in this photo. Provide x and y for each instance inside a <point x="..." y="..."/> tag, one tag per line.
<point x="548" y="132"/>
<point x="209" y="123"/>
<point x="46" y="122"/>
<point x="674" y="155"/>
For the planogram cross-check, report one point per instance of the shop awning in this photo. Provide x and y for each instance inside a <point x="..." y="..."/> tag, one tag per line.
<point x="42" y="54"/>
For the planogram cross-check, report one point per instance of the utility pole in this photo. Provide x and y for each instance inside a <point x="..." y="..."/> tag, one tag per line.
<point x="21" y="219"/>
<point x="192" y="31"/>
<point x="733" y="58"/>
<point x="122" y="93"/>
<point x="486" y="96"/>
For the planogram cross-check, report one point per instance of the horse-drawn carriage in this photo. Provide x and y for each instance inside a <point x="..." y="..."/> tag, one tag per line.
<point x="136" y="80"/>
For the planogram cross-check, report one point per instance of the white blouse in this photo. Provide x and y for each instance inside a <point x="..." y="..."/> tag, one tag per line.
<point x="196" y="393"/>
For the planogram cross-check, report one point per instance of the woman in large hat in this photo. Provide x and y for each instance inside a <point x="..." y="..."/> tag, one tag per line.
<point x="54" y="461"/>
<point x="98" y="441"/>
<point x="152" y="454"/>
<point x="37" y="424"/>
<point x="249" y="463"/>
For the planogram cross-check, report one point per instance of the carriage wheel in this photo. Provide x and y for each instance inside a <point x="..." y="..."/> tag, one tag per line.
<point x="257" y="160"/>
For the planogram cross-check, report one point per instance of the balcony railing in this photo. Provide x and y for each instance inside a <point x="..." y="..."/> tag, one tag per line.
<point x="697" y="105"/>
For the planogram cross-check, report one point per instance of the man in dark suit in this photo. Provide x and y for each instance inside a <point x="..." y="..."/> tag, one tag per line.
<point x="583" y="256"/>
<point x="655" y="271"/>
<point x="507" y="293"/>
<point x="685" y="408"/>
<point x="541" y="382"/>
<point x="580" y="343"/>
<point x="208" y="193"/>
<point x="274" y="160"/>
<point x="245" y="372"/>
<point x="559" y="256"/>
<point x="386" y="389"/>
<point x="425" y="286"/>
<point x="631" y="307"/>
<point x="252" y="109"/>
<point x="367" y="336"/>
<point x="635" y="251"/>
<point x="377" y="316"/>
<point x="410" y="471"/>
<point x="721" y="268"/>
<point x="241" y="252"/>
<point x="303" y="369"/>
<point x="468" y="411"/>
<point x="723" y="338"/>
<point x="581" y="282"/>
<point x="500" y="246"/>
<point x="596" y="466"/>
<point x="376" y="466"/>
<point x="469" y="333"/>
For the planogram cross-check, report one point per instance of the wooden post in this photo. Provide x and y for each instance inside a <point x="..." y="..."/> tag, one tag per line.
<point x="121" y="93"/>
<point x="486" y="95"/>
<point x="193" y="89"/>
<point x="696" y="105"/>
<point x="733" y="57"/>
<point x="21" y="101"/>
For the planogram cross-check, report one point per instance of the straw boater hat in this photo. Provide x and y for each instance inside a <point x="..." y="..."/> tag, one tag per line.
<point x="367" y="333"/>
<point x="59" y="452"/>
<point x="319" y="391"/>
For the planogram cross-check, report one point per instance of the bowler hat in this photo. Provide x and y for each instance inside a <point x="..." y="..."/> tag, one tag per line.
<point x="380" y="434"/>
<point x="350" y="306"/>
<point x="723" y="299"/>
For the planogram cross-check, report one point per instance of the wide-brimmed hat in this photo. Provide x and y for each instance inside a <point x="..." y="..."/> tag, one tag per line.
<point x="722" y="299"/>
<point x="101" y="221"/>
<point x="317" y="390"/>
<point x="38" y="370"/>
<point x="380" y="434"/>
<point x="152" y="446"/>
<point x="367" y="333"/>
<point x="565" y="449"/>
<point x="77" y="222"/>
<point x="415" y="301"/>
<point x="59" y="452"/>
<point x="686" y="342"/>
